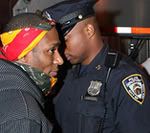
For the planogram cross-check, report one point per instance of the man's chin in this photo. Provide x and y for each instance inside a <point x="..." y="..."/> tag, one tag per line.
<point x="73" y="62"/>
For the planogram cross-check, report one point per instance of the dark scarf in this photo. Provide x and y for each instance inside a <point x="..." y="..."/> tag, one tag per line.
<point x="41" y="79"/>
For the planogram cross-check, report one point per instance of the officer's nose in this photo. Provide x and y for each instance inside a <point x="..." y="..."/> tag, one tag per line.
<point x="66" y="51"/>
<point x="57" y="58"/>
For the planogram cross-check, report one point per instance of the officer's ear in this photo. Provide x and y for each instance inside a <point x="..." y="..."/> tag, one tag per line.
<point x="90" y="30"/>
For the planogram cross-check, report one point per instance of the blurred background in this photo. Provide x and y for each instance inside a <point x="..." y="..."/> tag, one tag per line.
<point x="125" y="24"/>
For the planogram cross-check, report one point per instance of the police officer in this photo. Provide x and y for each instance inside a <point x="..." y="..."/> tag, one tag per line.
<point x="104" y="91"/>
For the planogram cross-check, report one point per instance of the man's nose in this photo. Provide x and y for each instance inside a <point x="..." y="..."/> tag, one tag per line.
<point x="57" y="58"/>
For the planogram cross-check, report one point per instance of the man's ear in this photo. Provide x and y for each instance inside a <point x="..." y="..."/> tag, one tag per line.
<point x="90" y="30"/>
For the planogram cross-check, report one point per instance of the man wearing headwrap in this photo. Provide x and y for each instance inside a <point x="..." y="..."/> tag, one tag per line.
<point x="29" y="60"/>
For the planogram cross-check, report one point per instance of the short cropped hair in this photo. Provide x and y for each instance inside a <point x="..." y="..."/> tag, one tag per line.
<point x="24" y="20"/>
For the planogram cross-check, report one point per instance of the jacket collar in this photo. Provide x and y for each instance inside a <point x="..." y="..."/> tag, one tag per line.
<point x="11" y="73"/>
<point x="97" y="62"/>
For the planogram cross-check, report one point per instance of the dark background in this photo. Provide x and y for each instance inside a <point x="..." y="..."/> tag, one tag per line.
<point x="123" y="13"/>
<point x="110" y="13"/>
<point x="6" y="11"/>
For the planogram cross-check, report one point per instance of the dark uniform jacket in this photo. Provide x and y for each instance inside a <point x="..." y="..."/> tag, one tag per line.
<point x="21" y="103"/>
<point x="88" y="103"/>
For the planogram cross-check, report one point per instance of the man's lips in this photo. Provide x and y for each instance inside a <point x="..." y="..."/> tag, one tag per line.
<point x="53" y="74"/>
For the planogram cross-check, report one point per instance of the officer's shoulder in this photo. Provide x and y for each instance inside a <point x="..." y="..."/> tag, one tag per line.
<point x="128" y="65"/>
<point x="125" y="68"/>
<point x="118" y="61"/>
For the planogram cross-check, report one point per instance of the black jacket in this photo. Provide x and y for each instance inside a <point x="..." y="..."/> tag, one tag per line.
<point x="21" y="102"/>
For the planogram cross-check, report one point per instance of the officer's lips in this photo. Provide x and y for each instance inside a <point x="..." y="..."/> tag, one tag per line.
<point x="68" y="57"/>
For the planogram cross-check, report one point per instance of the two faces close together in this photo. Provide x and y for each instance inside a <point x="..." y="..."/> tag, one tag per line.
<point x="47" y="57"/>
<point x="40" y="50"/>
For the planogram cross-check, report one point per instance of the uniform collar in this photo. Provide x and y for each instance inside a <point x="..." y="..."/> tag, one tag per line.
<point x="95" y="65"/>
<point x="100" y="58"/>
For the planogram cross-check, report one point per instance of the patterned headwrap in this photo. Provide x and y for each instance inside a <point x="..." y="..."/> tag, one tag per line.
<point x="20" y="36"/>
<point x="17" y="43"/>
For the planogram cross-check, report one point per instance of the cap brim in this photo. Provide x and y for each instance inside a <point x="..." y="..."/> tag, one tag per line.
<point x="66" y="30"/>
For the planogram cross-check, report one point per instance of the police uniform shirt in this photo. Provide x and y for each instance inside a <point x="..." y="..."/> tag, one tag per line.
<point x="86" y="98"/>
<point x="80" y="105"/>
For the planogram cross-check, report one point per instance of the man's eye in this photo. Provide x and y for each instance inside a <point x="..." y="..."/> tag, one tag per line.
<point x="52" y="50"/>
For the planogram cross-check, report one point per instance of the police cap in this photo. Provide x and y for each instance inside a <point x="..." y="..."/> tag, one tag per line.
<point x="68" y="13"/>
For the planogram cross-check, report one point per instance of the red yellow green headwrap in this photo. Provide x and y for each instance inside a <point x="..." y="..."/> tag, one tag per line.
<point x="18" y="43"/>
